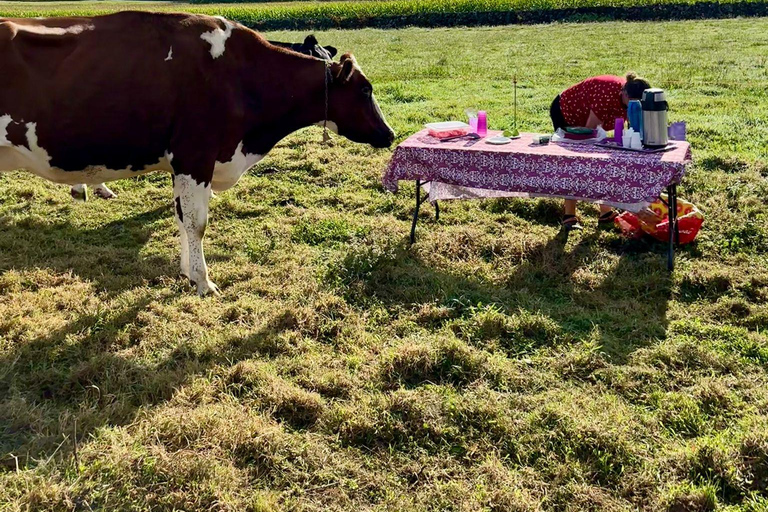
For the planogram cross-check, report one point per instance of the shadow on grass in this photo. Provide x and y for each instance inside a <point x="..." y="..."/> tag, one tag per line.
<point x="109" y="255"/>
<point x="623" y="307"/>
<point x="48" y="383"/>
<point x="84" y="369"/>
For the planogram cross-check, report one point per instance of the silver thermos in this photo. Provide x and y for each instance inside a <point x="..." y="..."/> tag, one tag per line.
<point x="655" y="119"/>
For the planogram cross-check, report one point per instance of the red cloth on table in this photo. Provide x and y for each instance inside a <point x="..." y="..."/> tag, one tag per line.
<point x="600" y="94"/>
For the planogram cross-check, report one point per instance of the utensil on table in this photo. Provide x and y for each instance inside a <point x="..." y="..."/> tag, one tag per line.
<point x="468" y="136"/>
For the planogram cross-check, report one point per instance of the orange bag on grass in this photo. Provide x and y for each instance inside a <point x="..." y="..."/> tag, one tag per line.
<point x="655" y="221"/>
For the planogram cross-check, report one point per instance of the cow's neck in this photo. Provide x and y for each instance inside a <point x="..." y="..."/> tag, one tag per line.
<point x="294" y="99"/>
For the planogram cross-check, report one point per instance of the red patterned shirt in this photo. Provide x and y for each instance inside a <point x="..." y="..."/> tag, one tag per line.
<point x="601" y="95"/>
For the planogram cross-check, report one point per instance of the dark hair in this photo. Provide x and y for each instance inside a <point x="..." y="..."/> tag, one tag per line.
<point x="635" y="86"/>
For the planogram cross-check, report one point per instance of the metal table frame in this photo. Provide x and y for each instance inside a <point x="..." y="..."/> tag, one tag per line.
<point x="674" y="231"/>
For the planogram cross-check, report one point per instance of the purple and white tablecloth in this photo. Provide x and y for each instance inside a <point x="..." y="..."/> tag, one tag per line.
<point x="462" y="168"/>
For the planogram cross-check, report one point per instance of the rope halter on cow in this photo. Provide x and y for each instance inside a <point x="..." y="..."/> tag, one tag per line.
<point x="328" y="81"/>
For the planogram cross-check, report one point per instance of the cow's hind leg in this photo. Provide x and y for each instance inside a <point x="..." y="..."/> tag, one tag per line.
<point x="102" y="191"/>
<point x="79" y="192"/>
<point x="191" y="204"/>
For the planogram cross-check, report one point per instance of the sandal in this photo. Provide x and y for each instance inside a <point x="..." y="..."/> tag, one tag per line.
<point x="570" y="223"/>
<point x="606" y="219"/>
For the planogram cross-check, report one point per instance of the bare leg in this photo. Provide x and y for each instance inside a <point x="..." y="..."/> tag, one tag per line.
<point x="570" y="221"/>
<point x="607" y="217"/>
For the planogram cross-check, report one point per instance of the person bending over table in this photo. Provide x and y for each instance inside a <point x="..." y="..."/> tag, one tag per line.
<point x="595" y="101"/>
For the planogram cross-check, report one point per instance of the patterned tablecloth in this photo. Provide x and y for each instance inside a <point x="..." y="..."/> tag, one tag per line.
<point x="624" y="179"/>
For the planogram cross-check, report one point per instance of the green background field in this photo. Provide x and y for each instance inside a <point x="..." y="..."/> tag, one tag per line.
<point x="493" y="366"/>
<point x="426" y="13"/>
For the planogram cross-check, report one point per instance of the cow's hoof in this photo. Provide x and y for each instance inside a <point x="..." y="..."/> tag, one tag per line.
<point x="104" y="193"/>
<point x="207" y="288"/>
<point x="79" y="193"/>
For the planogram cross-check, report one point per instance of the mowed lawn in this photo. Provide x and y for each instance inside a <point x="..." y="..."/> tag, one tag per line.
<point x="492" y="366"/>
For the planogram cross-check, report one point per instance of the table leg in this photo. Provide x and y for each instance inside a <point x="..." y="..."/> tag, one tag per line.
<point x="674" y="235"/>
<point x="677" y="221"/>
<point x="437" y="212"/>
<point x="416" y="212"/>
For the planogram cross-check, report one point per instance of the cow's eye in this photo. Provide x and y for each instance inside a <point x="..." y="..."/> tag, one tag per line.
<point x="367" y="90"/>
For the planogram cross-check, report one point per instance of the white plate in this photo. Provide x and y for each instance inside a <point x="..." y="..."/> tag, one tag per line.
<point x="500" y="140"/>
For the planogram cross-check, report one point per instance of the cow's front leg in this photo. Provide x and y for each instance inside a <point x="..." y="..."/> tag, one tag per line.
<point x="102" y="191"/>
<point x="191" y="204"/>
<point x="184" y="258"/>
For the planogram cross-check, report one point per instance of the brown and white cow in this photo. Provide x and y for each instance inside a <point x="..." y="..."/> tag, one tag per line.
<point x="91" y="100"/>
<point x="310" y="46"/>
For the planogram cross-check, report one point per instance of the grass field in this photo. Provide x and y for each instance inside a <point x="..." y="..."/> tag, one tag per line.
<point x="491" y="367"/>
<point x="349" y="14"/>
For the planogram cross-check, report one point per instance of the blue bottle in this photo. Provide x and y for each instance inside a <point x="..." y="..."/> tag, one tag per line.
<point x="635" y="116"/>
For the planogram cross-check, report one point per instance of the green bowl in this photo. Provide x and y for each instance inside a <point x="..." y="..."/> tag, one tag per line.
<point x="577" y="130"/>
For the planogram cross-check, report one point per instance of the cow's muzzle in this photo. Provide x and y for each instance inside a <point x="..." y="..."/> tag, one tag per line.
<point x="384" y="140"/>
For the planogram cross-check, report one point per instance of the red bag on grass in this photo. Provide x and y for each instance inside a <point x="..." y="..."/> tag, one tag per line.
<point x="655" y="221"/>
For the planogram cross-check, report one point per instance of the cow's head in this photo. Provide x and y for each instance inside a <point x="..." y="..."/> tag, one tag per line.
<point x="312" y="47"/>
<point x="352" y="107"/>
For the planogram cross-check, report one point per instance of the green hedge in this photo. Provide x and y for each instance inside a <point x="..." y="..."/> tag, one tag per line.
<point x="423" y="13"/>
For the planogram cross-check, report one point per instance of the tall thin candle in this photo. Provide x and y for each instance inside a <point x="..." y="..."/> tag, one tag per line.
<point x="515" y="133"/>
<point x="514" y="83"/>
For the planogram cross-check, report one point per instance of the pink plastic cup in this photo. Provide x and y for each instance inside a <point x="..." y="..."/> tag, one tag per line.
<point x="482" y="123"/>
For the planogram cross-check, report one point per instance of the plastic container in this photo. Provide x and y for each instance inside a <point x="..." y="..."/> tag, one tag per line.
<point x="579" y="134"/>
<point x="482" y="123"/>
<point x="472" y="117"/>
<point x="626" y="137"/>
<point x="473" y="124"/>
<point x="676" y="131"/>
<point x="447" y="129"/>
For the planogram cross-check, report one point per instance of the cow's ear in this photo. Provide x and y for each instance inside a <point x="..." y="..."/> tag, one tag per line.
<point x="348" y="65"/>
<point x="332" y="51"/>
<point x="310" y="41"/>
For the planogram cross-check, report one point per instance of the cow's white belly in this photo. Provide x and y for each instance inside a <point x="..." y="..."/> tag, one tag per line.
<point x="226" y="174"/>
<point x="13" y="158"/>
<point x="36" y="159"/>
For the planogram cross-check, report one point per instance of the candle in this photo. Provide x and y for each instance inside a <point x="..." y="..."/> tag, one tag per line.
<point x="618" y="129"/>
